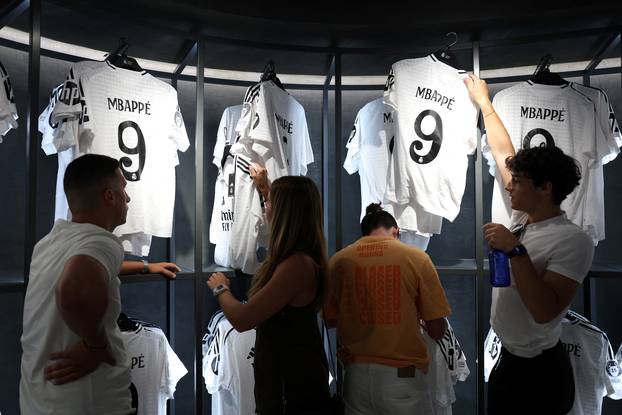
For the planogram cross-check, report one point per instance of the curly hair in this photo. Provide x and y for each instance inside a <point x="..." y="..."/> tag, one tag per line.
<point x="547" y="164"/>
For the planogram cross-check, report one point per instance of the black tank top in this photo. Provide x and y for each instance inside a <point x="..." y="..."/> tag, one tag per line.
<point x="291" y="371"/>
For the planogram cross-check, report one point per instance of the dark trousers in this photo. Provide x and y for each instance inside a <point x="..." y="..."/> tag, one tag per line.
<point x="540" y="385"/>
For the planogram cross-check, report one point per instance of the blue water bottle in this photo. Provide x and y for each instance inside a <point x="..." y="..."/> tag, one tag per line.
<point x="499" y="268"/>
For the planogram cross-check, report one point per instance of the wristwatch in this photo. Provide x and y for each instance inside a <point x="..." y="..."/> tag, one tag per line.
<point x="145" y="269"/>
<point x="219" y="289"/>
<point x="518" y="250"/>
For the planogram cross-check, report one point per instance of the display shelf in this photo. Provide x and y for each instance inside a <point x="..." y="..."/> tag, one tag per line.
<point x="134" y="278"/>
<point x="11" y="279"/>
<point x="457" y="267"/>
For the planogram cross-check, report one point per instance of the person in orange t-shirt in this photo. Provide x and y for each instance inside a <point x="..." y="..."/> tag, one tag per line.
<point x="381" y="292"/>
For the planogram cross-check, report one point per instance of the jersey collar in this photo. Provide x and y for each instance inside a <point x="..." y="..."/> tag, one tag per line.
<point x="116" y="68"/>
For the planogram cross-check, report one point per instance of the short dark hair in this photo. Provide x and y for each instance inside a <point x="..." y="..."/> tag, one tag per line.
<point x="547" y="164"/>
<point x="85" y="174"/>
<point x="376" y="217"/>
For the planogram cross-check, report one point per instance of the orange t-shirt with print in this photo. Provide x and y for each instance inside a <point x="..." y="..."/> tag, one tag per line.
<point x="380" y="288"/>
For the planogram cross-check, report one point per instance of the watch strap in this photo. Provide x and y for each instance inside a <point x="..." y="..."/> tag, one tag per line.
<point x="518" y="250"/>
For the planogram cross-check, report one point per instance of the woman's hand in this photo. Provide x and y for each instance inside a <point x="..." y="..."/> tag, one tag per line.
<point x="478" y="90"/>
<point x="259" y="175"/>
<point x="216" y="279"/>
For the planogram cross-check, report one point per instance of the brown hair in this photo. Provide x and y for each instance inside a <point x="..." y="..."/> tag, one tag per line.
<point x="296" y="226"/>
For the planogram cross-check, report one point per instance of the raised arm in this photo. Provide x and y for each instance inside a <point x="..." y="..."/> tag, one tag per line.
<point x="498" y="137"/>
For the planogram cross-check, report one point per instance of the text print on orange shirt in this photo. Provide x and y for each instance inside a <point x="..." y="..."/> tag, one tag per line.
<point x="378" y="294"/>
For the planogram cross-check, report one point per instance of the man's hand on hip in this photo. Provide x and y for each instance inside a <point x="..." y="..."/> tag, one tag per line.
<point x="75" y="363"/>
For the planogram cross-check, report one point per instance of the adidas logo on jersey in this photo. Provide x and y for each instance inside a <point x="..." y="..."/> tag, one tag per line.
<point x="251" y="354"/>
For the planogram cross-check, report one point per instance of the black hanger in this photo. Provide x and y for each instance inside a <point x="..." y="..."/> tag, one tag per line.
<point x="127" y="324"/>
<point x="444" y="55"/>
<point x="120" y="59"/>
<point x="542" y="75"/>
<point x="270" y="75"/>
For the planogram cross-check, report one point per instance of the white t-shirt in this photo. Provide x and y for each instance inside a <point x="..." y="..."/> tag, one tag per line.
<point x="596" y="372"/>
<point x="369" y="150"/>
<point x="106" y="390"/>
<point x="228" y="370"/>
<point x="436" y="128"/>
<point x="155" y="368"/>
<point x="273" y="125"/>
<point x="535" y="114"/>
<point x="8" y="110"/>
<point x="134" y="118"/>
<point x="222" y="212"/>
<point x="556" y="245"/>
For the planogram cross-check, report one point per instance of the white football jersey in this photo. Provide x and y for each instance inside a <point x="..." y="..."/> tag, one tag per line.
<point x="222" y="212"/>
<point x="135" y="118"/>
<point x="596" y="372"/>
<point x="540" y="115"/>
<point x="436" y="128"/>
<point x="8" y="110"/>
<point x="155" y="368"/>
<point x="66" y="131"/>
<point x="273" y="125"/>
<point x="595" y="199"/>
<point x="272" y="132"/>
<point x="249" y="218"/>
<point x="228" y="370"/>
<point x="447" y="367"/>
<point x="369" y="150"/>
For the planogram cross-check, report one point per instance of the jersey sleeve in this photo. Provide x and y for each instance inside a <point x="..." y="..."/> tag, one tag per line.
<point x="221" y="139"/>
<point x="351" y="163"/>
<point x="306" y="153"/>
<point x="173" y="371"/>
<point x="390" y="94"/>
<point x="492" y="350"/>
<point x="612" y="373"/>
<point x="8" y="110"/>
<point x="178" y="131"/>
<point x="607" y="124"/>
<point x="431" y="300"/>
<point x="71" y="106"/>
<point x="47" y="130"/>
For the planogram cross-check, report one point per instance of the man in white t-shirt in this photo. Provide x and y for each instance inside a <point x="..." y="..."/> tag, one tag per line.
<point x="549" y="258"/>
<point x="73" y="359"/>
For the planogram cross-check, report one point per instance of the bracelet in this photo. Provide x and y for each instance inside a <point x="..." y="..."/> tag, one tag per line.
<point x="221" y="288"/>
<point x="490" y="113"/>
<point x="94" y="348"/>
<point x="145" y="269"/>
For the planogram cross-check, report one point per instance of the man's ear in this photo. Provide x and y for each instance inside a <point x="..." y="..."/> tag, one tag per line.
<point x="395" y="232"/>
<point x="547" y="187"/>
<point x="108" y="195"/>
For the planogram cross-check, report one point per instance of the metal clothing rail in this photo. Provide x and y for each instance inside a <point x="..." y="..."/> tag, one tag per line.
<point x="196" y="49"/>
